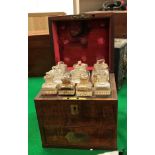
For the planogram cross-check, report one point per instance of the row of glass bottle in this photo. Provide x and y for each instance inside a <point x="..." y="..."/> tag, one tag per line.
<point x="78" y="81"/>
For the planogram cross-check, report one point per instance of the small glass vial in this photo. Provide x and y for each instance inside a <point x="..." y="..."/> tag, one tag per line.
<point x="59" y="70"/>
<point x="49" y="87"/>
<point x="84" y="88"/>
<point x="66" y="87"/>
<point x="100" y="65"/>
<point x="100" y="79"/>
<point x="79" y="68"/>
<point x="62" y="66"/>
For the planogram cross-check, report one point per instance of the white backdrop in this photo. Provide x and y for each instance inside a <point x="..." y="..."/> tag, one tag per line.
<point x="50" y="6"/>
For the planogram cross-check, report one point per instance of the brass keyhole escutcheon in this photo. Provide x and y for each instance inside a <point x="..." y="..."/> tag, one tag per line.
<point x="74" y="109"/>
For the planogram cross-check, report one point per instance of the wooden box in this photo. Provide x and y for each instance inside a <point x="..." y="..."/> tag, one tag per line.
<point x="39" y="55"/>
<point x="120" y="67"/>
<point x="80" y="122"/>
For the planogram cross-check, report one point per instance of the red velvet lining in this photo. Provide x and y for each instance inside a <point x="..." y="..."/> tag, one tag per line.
<point x="89" y="46"/>
<point x="55" y="40"/>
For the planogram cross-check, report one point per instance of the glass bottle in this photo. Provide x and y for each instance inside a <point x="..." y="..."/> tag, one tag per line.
<point x="100" y="78"/>
<point x="49" y="87"/>
<point x="66" y="87"/>
<point x="84" y="88"/>
<point x="79" y="68"/>
<point x="59" y="70"/>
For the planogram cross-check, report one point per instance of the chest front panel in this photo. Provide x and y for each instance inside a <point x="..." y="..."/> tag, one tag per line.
<point x="79" y="123"/>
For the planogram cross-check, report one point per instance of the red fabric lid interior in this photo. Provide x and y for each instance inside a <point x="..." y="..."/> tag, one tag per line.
<point x="85" y="40"/>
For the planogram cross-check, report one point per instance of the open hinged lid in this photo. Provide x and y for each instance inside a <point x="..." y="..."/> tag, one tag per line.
<point x="86" y="37"/>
